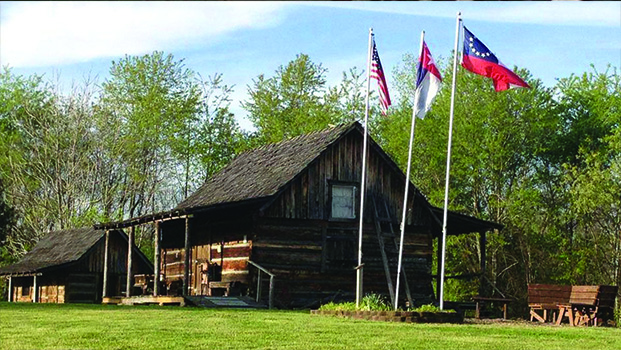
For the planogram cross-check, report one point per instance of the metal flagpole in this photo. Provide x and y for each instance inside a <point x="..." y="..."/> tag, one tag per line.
<point x="448" y="163"/>
<point x="407" y="183"/>
<point x="364" y="173"/>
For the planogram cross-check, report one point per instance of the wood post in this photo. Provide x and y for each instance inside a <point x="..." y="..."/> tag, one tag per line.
<point x="186" y="267"/>
<point x="104" y="292"/>
<point x="130" y="257"/>
<point x="271" y="299"/>
<point x="10" y="294"/>
<point x="156" y="260"/>
<point x="259" y="281"/>
<point x="34" y="289"/>
<point x="483" y="247"/>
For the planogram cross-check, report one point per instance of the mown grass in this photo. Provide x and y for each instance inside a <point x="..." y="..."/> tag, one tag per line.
<point x="46" y="326"/>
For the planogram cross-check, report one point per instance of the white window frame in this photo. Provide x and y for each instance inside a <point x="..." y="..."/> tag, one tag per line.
<point x="335" y="210"/>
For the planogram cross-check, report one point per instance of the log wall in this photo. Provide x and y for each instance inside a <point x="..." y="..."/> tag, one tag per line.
<point x="314" y="255"/>
<point x="220" y="252"/>
<point x="309" y="270"/>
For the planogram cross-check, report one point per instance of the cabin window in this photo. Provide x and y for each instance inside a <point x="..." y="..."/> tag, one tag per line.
<point x="343" y="201"/>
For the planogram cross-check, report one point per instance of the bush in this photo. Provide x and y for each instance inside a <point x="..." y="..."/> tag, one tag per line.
<point x="374" y="302"/>
<point x="338" y="306"/>
<point x="430" y="308"/>
<point x="370" y="302"/>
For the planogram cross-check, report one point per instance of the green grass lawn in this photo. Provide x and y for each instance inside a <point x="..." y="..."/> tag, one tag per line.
<point x="48" y="326"/>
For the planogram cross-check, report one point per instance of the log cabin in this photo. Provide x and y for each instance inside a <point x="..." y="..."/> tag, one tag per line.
<point x="285" y="216"/>
<point x="66" y="267"/>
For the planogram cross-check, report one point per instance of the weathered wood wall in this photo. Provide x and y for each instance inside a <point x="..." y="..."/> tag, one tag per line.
<point x="308" y="195"/>
<point x="309" y="270"/>
<point x="314" y="255"/>
<point x="52" y="294"/>
<point x="216" y="240"/>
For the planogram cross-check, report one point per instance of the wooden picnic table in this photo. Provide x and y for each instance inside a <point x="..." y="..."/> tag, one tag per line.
<point x="481" y="301"/>
<point x="581" y="305"/>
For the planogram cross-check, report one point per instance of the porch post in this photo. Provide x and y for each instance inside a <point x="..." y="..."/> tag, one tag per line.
<point x="104" y="292"/>
<point x="130" y="257"/>
<point x="271" y="295"/>
<point x="483" y="247"/>
<point x="10" y="299"/>
<point x="34" y="289"/>
<point x="259" y="281"/>
<point x="186" y="266"/>
<point x="156" y="260"/>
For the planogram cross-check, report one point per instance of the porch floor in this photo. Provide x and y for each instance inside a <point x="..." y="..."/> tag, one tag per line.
<point x="145" y="300"/>
<point x="233" y="302"/>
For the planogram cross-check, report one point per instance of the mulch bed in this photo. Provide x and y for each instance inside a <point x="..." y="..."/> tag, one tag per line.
<point x="395" y="316"/>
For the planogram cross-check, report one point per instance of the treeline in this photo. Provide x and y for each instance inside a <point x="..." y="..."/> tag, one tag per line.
<point x="545" y="161"/>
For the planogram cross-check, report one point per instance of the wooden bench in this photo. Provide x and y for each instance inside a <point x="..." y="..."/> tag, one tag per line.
<point x="581" y="305"/>
<point x="545" y="298"/>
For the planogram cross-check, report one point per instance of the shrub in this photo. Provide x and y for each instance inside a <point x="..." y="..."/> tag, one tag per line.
<point x="338" y="306"/>
<point x="430" y="308"/>
<point x="370" y="302"/>
<point x="374" y="302"/>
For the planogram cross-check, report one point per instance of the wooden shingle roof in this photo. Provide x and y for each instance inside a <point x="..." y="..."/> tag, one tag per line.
<point x="57" y="248"/>
<point x="261" y="172"/>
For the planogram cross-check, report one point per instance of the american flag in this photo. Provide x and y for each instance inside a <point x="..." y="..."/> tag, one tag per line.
<point x="378" y="73"/>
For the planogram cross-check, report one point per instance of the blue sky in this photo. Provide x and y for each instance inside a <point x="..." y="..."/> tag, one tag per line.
<point x="68" y="41"/>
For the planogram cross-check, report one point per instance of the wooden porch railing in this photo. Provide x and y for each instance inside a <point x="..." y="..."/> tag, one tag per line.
<point x="259" y="280"/>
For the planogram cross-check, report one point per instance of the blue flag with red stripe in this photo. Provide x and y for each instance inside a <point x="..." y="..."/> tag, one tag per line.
<point x="478" y="59"/>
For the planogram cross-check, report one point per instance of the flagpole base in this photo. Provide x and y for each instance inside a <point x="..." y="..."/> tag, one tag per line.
<point x="359" y="273"/>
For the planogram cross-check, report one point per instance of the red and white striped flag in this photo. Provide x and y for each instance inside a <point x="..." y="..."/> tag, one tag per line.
<point x="378" y="73"/>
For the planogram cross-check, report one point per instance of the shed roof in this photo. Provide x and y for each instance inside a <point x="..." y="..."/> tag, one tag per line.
<point x="261" y="172"/>
<point x="458" y="223"/>
<point x="57" y="248"/>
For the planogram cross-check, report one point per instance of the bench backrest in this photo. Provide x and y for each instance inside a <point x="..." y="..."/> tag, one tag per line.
<point x="551" y="295"/>
<point x="584" y="295"/>
<point x="548" y="295"/>
<point x="602" y="296"/>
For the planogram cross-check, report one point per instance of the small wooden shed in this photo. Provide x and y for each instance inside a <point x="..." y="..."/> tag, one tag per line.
<point x="291" y="211"/>
<point x="66" y="267"/>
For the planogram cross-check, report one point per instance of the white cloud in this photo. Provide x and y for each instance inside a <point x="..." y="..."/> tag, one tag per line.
<point x="49" y="33"/>
<point x="572" y="13"/>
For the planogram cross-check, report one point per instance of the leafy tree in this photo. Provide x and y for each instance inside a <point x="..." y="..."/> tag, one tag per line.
<point x="497" y="140"/>
<point x="297" y="100"/>
<point x="172" y="131"/>
<point x="7" y="216"/>
<point x="591" y="105"/>
<point x="154" y="133"/>
<point x="211" y="137"/>
<point x="148" y="100"/>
